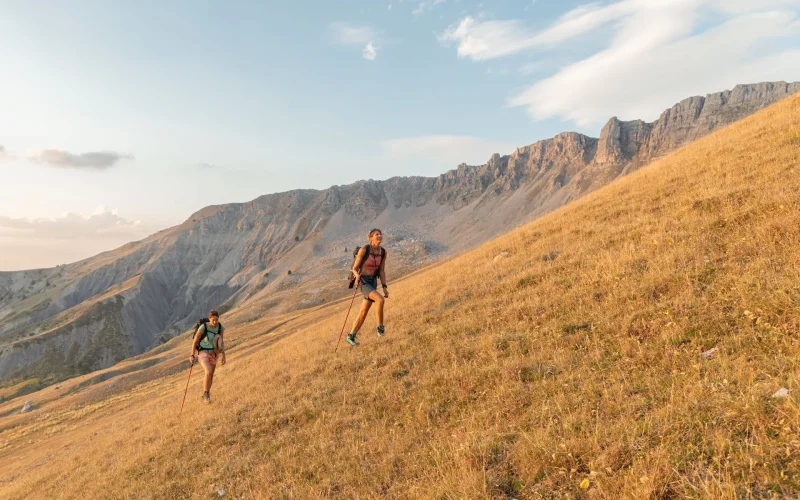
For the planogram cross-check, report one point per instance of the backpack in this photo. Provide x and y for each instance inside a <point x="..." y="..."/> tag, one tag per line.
<point x="367" y="253"/>
<point x="200" y="322"/>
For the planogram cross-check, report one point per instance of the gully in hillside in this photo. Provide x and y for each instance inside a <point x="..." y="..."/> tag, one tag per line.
<point x="207" y="346"/>
<point x="368" y="266"/>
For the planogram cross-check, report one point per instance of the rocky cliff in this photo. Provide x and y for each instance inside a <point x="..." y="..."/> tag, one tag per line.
<point x="90" y="314"/>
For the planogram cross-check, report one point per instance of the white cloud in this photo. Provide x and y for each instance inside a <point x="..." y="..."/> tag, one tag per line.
<point x="103" y="223"/>
<point x="37" y="243"/>
<point x="369" y="53"/>
<point x="657" y="53"/>
<point x="446" y="149"/>
<point x="425" y="6"/>
<point x="484" y="40"/>
<point x="99" y="160"/>
<point x="365" y="37"/>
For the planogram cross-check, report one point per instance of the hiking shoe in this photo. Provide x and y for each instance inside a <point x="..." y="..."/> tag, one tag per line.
<point x="381" y="330"/>
<point x="351" y="339"/>
<point x="206" y="398"/>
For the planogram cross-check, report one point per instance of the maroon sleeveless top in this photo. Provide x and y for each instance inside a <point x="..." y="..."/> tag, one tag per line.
<point x="372" y="263"/>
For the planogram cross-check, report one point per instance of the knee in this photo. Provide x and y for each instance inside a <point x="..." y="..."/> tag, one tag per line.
<point x="379" y="301"/>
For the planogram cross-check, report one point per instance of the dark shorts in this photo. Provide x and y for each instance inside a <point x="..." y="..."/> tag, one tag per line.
<point x="369" y="284"/>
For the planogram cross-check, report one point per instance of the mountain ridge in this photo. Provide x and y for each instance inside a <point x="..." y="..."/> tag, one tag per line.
<point x="228" y="255"/>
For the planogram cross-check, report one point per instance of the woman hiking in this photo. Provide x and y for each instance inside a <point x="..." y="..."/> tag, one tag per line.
<point x="369" y="265"/>
<point x="208" y="342"/>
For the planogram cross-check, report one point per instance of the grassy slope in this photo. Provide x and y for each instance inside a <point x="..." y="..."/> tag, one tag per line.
<point x="522" y="376"/>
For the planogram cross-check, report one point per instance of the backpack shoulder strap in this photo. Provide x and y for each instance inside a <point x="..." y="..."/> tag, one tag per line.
<point x="203" y="332"/>
<point x="366" y="255"/>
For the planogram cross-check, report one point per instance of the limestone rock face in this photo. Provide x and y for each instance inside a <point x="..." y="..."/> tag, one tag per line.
<point x="695" y="117"/>
<point x="88" y="315"/>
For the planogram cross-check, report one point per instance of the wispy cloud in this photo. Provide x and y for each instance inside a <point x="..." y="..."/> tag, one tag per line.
<point x="446" y="149"/>
<point x="99" y="160"/>
<point x="366" y="37"/>
<point x="207" y="166"/>
<point x="103" y="223"/>
<point x="484" y="40"/>
<point x="659" y="52"/>
<point x="36" y="243"/>
<point x="425" y="6"/>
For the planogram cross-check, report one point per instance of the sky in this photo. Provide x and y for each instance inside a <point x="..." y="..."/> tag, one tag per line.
<point x="118" y="119"/>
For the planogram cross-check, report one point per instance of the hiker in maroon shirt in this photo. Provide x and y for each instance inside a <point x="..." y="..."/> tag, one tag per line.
<point x="369" y="265"/>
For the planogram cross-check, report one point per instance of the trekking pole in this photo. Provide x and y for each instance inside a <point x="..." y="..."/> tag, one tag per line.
<point x="345" y="319"/>
<point x="187" y="388"/>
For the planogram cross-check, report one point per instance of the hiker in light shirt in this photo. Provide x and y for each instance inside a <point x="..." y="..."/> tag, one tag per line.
<point x="207" y="347"/>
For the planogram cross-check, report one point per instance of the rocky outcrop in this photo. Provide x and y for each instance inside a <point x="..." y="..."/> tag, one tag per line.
<point x="91" y="314"/>
<point x="695" y="117"/>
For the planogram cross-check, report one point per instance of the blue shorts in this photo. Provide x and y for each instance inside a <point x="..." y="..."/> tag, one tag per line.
<point x="369" y="284"/>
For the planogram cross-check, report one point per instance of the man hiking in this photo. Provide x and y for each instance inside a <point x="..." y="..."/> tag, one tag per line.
<point x="368" y="266"/>
<point x="208" y="343"/>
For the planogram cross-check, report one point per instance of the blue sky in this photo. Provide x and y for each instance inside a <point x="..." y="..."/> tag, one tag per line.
<point x="120" y="118"/>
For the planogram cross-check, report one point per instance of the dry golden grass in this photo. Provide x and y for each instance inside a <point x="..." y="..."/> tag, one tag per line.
<point x="574" y="361"/>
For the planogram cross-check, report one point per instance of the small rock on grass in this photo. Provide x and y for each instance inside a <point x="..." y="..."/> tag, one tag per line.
<point x="782" y="393"/>
<point x="709" y="353"/>
<point x="26" y="407"/>
<point x="500" y="256"/>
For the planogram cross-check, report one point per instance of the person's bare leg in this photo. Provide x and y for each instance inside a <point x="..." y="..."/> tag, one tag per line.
<point x="209" y="374"/>
<point x="210" y="379"/>
<point x="378" y="298"/>
<point x="362" y="315"/>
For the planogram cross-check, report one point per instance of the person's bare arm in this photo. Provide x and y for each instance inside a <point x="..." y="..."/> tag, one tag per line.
<point x="383" y="275"/>
<point x="195" y="342"/>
